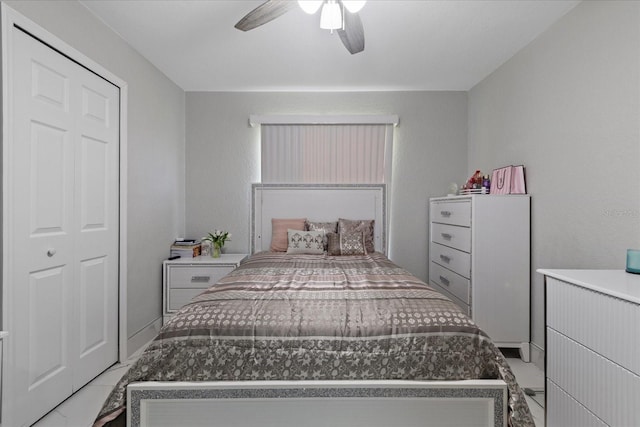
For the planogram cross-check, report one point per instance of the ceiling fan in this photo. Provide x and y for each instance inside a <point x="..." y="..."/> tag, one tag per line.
<point x="339" y="15"/>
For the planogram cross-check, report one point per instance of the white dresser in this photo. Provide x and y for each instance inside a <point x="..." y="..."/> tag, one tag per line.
<point x="184" y="278"/>
<point x="480" y="257"/>
<point x="592" y="348"/>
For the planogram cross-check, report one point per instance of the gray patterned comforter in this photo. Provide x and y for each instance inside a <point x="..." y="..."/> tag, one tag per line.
<point x="318" y="317"/>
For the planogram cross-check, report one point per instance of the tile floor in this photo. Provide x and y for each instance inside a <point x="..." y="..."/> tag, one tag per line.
<point x="81" y="409"/>
<point x="530" y="376"/>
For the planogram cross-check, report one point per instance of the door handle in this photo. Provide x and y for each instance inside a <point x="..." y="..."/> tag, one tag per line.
<point x="51" y="252"/>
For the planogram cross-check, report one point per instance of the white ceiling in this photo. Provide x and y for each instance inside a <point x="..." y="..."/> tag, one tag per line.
<point x="409" y="45"/>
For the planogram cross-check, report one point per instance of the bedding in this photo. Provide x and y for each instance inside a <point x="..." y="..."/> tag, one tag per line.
<point x="317" y="317"/>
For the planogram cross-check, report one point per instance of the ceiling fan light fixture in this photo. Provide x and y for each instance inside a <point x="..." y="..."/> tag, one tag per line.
<point x="331" y="17"/>
<point x="354" y="6"/>
<point x="334" y="17"/>
<point x="310" y="6"/>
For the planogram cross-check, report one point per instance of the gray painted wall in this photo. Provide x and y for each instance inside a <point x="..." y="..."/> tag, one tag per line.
<point x="156" y="110"/>
<point x="223" y="157"/>
<point x="567" y="107"/>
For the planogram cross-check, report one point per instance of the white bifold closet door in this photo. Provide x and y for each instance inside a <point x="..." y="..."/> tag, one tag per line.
<point x="64" y="213"/>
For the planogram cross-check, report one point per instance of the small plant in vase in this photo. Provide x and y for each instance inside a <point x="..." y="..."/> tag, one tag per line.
<point x="217" y="240"/>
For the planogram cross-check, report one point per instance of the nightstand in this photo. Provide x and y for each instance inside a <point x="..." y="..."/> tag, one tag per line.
<point x="184" y="278"/>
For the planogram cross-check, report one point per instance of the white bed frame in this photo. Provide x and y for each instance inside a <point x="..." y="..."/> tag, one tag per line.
<point x="317" y="403"/>
<point x="317" y="203"/>
<point x="469" y="403"/>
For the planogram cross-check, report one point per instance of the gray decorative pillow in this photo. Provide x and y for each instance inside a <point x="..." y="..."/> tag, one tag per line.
<point x="346" y="244"/>
<point x="327" y="227"/>
<point x="364" y="225"/>
<point x="352" y="243"/>
<point x="333" y="244"/>
<point x="305" y="242"/>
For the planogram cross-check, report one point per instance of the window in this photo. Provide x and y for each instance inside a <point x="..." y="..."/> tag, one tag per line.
<point x="326" y="153"/>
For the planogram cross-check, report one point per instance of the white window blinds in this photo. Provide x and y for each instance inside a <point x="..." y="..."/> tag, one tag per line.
<point x="326" y="153"/>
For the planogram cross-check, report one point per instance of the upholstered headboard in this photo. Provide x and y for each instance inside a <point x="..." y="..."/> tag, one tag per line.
<point x="317" y="202"/>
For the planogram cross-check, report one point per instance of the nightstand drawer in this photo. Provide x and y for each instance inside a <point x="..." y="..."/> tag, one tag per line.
<point x="452" y="235"/>
<point x="453" y="259"/>
<point x="196" y="277"/>
<point x="179" y="297"/>
<point x="453" y="282"/>
<point x="455" y="213"/>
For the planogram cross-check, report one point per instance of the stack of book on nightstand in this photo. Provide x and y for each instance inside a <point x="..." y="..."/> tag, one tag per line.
<point x="185" y="248"/>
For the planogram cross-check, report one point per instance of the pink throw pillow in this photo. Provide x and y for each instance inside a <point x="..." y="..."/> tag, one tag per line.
<point x="279" y="227"/>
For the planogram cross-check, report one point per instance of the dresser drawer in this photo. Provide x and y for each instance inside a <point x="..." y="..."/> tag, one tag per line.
<point x="451" y="235"/>
<point x="179" y="297"/>
<point x="466" y="308"/>
<point x="565" y="411"/>
<point x="455" y="213"/>
<point x="453" y="259"/>
<point x="588" y="377"/>
<point x="452" y="282"/>
<point x="603" y="323"/>
<point x="196" y="277"/>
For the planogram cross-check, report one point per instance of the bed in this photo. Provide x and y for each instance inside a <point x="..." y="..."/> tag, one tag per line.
<point x="315" y="339"/>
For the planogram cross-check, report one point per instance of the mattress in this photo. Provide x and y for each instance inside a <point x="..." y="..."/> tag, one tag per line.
<point x="319" y="317"/>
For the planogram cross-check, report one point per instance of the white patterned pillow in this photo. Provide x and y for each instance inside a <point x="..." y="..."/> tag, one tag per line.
<point x="305" y="242"/>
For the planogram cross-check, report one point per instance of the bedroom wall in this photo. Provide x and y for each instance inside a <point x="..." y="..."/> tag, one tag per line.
<point x="155" y="152"/>
<point x="223" y="157"/>
<point x="567" y="107"/>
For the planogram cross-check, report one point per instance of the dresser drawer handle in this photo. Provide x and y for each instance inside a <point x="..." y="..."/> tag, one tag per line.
<point x="445" y="213"/>
<point x="446" y="236"/>
<point x="445" y="258"/>
<point x="444" y="280"/>
<point x="200" y="279"/>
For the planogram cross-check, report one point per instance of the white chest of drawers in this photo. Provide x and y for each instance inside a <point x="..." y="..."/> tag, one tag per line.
<point x="479" y="256"/>
<point x="184" y="278"/>
<point x="592" y="348"/>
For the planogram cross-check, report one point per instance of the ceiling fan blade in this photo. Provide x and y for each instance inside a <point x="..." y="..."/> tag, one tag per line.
<point x="352" y="35"/>
<point x="267" y="11"/>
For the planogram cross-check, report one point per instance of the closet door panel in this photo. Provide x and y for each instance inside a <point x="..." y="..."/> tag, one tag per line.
<point x="93" y="304"/>
<point x="96" y="207"/>
<point x="63" y="185"/>
<point x="47" y="325"/>
<point x="50" y="176"/>
<point x="41" y="186"/>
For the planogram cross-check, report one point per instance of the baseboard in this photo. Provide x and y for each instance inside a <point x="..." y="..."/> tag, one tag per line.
<point x="537" y="355"/>
<point x="143" y="336"/>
